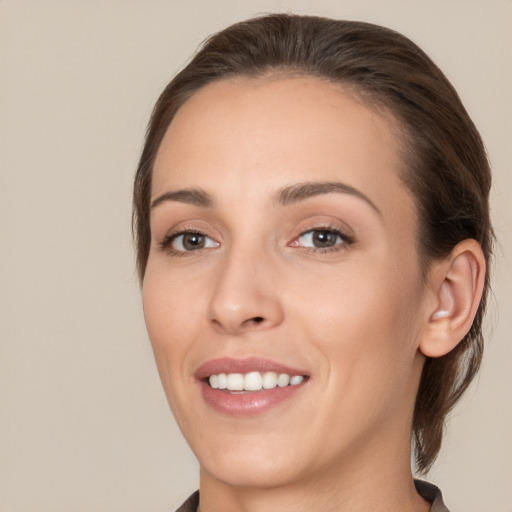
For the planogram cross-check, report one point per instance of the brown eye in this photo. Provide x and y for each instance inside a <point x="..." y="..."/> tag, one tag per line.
<point x="321" y="238"/>
<point x="324" y="238"/>
<point x="191" y="241"/>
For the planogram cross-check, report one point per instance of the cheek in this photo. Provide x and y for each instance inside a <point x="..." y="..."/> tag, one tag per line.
<point x="364" y="322"/>
<point x="169" y="301"/>
<point x="167" y="313"/>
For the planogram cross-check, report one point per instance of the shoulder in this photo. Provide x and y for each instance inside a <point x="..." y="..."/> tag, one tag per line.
<point x="191" y="504"/>
<point x="431" y="493"/>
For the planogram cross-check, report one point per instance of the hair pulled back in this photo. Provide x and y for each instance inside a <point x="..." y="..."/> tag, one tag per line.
<point x="446" y="167"/>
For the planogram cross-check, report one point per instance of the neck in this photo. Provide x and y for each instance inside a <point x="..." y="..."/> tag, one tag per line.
<point x="354" y="486"/>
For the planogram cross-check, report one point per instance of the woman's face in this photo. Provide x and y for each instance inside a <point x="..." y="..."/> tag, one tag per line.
<point x="283" y="246"/>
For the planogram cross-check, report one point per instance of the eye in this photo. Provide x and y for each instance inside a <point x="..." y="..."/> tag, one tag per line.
<point x="189" y="241"/>
<point x="322" y="239"/>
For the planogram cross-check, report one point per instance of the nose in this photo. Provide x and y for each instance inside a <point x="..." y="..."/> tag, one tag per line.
<point x="246" y="295"/>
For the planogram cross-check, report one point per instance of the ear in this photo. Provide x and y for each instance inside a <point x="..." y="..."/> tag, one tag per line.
<point x="457" y="283"/>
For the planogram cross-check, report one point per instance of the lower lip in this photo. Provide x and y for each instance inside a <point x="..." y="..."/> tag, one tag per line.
<point x="250" y="403"/>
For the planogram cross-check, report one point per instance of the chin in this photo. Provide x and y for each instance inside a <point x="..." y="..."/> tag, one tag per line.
<point x="243" y="462"/>
<point x="251" y="471"/>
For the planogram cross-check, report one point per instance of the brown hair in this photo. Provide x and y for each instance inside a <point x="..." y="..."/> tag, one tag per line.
<point x="446" y="166"/>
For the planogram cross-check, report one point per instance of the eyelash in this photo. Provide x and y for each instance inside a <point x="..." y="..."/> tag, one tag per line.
<point x="346" y="240"/>
<point x="166" y="244"/>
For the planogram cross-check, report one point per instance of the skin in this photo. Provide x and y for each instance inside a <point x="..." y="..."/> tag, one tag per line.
<point x="352" y="317"/>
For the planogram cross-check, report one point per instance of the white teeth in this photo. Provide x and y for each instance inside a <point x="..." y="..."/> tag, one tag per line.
<point x="214" y="381"/>
<point x="269" y="380"/>
<point x="253" y="381"/>
<point x="222" y="380"/>
<point x="296" y="379"/>
<point x="235" y="382"/>
<point x="283" y="380"/>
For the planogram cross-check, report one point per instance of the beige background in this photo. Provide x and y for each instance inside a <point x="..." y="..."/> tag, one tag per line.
<point x="84" y="425"/>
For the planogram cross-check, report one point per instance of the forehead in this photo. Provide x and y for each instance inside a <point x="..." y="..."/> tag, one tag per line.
<point x="280" y="130"/>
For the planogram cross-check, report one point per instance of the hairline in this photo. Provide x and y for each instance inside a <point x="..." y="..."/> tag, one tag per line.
<point x="377" y="102"/>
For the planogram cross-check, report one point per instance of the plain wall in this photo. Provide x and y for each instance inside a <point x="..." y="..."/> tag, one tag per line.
<point x="84" y="424"/>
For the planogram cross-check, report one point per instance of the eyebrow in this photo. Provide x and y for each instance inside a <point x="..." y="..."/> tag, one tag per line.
<point x="302" y="191"/>
<point x="193" y="196"/>
<point x="285" y="196"/>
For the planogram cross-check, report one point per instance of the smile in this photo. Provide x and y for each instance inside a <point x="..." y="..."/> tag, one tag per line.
<point x="248" y="386"/>
<point x="253" y="381"/>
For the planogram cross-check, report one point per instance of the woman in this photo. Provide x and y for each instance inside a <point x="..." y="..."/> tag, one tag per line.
<point x="312" y="227"/>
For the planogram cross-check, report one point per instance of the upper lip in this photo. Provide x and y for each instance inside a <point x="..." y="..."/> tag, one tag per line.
<point x="246" y="365"/>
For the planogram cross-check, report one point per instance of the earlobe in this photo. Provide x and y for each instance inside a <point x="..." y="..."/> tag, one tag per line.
<point x="457" y="283"/>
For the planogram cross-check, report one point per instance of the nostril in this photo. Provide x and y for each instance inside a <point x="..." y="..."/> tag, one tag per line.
<point x="258" y="319"/>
